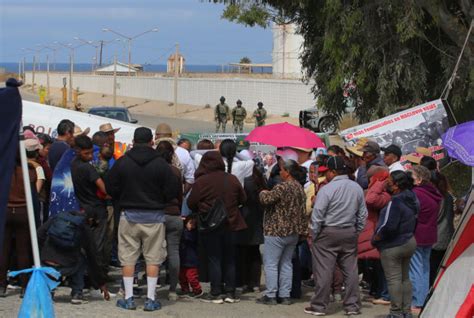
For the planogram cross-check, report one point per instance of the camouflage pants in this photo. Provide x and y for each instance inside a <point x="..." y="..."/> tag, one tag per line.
<point x="238" y="126"/>
<point x="259" y="123"/>
<point x="222" y="121"/>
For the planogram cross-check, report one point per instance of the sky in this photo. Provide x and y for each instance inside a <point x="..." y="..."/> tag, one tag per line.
<point x="204" y="38"/>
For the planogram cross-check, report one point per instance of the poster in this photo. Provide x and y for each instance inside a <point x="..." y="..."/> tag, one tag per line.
<point x="419" y="127"/>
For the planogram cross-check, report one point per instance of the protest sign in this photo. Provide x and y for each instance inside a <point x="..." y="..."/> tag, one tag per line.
<point x="413" y="129"/>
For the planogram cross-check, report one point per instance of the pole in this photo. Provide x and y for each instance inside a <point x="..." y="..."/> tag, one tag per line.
<point x="47" y="78"/>
<point x="71" y="70"/>
<point x="101" y="48"/>
<point x="29" y="201"/>
<point x="115" y="80"/>
<point x="96" y="56"/>
<point x="19" y="69"/>
<point x="176" y="57"/>
<point x="129" y="55"/>
<point x="33" y="74"/>
<point x="23" y="68"/>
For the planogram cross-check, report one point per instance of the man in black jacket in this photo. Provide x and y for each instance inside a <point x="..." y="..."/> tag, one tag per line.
<point x="143" y="184"/>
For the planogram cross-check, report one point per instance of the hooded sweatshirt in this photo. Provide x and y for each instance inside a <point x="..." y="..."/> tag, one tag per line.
<point x="140" y="180"/>
<point x="430" y="200"/>
<point x="212" y="182"/>
<point x="397" y="221"/>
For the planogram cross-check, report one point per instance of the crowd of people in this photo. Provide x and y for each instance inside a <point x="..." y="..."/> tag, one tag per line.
<point x="317" y="221"/>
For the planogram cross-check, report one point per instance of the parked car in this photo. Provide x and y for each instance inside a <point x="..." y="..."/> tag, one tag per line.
<point x="312" y="119"/>
<point x="118" y="113"/>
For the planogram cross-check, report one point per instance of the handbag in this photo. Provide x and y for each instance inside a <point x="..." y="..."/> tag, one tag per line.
<point x="212" y="219"/>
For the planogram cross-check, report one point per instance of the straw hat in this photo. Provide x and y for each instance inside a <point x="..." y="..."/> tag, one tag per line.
<point x="108" y="128"/>
<point x="424" y="151"/>
<point x="78" y="131"/>
<point x="355" y="149"/>
<point x="413" y="159"/>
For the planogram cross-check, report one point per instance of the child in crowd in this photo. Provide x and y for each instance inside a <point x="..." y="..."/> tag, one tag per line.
<point x="102" y="165"/>
<point x="188" y="253"/>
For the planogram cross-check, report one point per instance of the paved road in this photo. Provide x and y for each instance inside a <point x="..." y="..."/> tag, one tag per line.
<point x="185" y="308"/>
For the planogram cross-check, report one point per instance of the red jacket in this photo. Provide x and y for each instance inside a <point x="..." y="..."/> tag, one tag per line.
<point x="376" y="198"/>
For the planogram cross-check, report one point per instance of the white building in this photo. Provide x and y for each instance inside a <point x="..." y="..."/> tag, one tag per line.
<point x="287" y="47"/>
<point x="121" y="70"/>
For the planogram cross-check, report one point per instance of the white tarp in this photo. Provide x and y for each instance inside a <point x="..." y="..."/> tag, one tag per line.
<point x="45" y="119"/>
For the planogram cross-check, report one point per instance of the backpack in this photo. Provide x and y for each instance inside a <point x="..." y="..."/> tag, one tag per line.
<point x="212" y="220"/>
<point x="64" y="231"/>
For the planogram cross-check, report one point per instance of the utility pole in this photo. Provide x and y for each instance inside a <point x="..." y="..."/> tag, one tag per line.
<point x="176" y="57"/>
<point x="129" y="55"/>
<point x="115" y="81"/>
<point x="47" y="77"/>
<point x="101" y="48"/>
<point x="33" y="74"/>
<point x="71" y="71"/>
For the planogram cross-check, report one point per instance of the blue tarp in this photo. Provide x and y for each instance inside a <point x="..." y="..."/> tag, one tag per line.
<point x="37" y="302"/>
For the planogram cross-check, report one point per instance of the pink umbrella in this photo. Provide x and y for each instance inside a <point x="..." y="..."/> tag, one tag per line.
<point x="285" y="135"/>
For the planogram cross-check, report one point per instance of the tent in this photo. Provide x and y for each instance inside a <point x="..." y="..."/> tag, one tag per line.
<point x="453" y="292"/>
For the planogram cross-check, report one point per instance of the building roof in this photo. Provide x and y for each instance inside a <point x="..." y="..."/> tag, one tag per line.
<point x="252" y="64"/>
<point x="121" y="68"/>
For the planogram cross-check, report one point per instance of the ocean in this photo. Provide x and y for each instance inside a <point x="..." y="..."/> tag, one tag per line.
<point x="87" y="67"/>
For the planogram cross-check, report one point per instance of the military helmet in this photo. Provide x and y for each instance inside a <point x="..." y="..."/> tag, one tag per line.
<point x="239" y="102"/>
<point x="222" y="99"/>
<point x="260" y="104"/>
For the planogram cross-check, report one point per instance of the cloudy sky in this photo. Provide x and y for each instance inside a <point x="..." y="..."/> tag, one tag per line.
<point x="204" y="38"/>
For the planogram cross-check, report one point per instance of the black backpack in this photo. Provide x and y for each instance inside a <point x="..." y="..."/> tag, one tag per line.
<point x="65" y="230"/>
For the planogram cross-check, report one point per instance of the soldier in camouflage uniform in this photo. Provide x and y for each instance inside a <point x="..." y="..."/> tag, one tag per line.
<point x="221" y="114"/>
<point x="238" y="116"/>
<point x="260" y="115"/>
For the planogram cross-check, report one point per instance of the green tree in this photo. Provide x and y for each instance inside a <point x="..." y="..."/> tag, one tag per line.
<point x="245" y="60"/>
<point x="382" y="54"/>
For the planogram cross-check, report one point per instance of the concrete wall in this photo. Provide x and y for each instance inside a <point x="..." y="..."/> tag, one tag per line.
<point x="278" y="96"/>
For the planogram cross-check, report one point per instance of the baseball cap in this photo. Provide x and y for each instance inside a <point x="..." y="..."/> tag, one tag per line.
<point x="371" y="146"/>
<point x="322" y="169"/>
<point x="33" y="144"/>
<point x="393" y="149"/>
<point x="336" y="163"/>
<point x="142" y="135"/>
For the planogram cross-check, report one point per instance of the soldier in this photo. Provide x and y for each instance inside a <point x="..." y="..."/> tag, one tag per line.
<point x="221" y="114"/>
<point x="238" y="116"/>
<point x="260" y="115"/>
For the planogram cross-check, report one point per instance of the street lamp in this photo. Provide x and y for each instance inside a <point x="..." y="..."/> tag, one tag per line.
<point x="35" y="51"/>
<point x="54" y="49"/>
<point x="130" y="38"/>
<point x="91" y="43"/>
<point x="71" y="59"/>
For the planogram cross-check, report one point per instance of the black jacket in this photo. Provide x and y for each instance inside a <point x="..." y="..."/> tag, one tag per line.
<point x="141" y="180"/>
<point x="188" y="249"/>
<point x="397" y="221"/>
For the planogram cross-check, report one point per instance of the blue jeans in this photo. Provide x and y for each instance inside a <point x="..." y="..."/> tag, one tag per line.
<point x="277" y="253"/>
<point x="420" y="274"/>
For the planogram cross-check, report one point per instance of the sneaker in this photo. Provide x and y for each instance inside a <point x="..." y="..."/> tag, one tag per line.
<point x="265" y="300"/>
<point x="151" y="305"/>
<point x="173" y="296"/>
<point x="231" y="298"/>
<point x="209" y="298"/>
<point x="311" y="311"/>
<point x="128" y="304"/>
<point x="78" y="299"/>
<point x="285" y="301"/>
<point x="308" y="283"/>
<point x="353" y="313"/>
<point x="196" y="294"/>
<point x="381" y="301"/>
<point x="183" y="293"/>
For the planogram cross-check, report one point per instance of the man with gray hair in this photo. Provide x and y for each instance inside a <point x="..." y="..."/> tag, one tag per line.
<point x="339" y="215"/>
